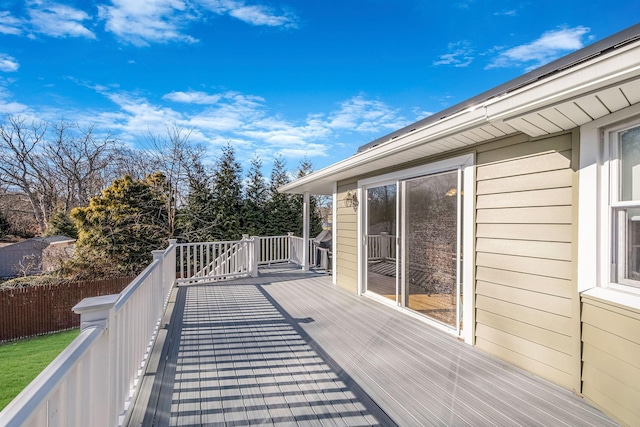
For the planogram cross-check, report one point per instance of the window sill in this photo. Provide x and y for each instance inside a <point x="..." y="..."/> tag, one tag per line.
<point x="615" y="298"/>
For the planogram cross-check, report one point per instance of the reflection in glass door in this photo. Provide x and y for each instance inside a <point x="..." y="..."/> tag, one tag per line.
<point x="381" y="241"/>
<point x="431" y="224"/>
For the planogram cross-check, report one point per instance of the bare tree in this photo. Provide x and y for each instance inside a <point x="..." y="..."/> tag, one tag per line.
<point x="80" y="162"/>
<point x="56" y="167"/>
<point x="175" y="156"/>
<point x="21" y="168"/>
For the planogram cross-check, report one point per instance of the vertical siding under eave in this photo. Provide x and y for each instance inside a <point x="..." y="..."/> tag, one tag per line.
<point x="346" y="255"/>
<point x="524" y="269"/>
<point x="611" y="359"/>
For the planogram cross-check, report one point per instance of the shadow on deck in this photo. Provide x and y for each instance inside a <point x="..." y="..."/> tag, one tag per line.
<point x="288" y="348"/>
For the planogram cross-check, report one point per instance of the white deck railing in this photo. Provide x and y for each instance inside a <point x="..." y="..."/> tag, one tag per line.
<point x="381" y="247"/>
<point x="92" y="381"/>
<point x="273" y="249"/>
<point x="214" y="261"/>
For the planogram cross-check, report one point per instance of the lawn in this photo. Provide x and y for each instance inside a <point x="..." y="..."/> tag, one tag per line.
<point x="21" y="361"/>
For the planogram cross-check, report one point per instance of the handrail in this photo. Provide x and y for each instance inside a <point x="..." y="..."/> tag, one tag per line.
<point x="214" y="261"/>
<point x="92" y="381"/>
<point x="26" y="408"/>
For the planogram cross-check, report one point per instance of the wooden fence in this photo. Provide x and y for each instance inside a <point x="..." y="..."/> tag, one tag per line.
<point x="38" y="310"/>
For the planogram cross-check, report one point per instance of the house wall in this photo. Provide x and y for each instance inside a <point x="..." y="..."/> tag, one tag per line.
<point x="527" y="310"/>
<point x="611" y="358"/>
<point x="346" y="254"/>
<point x="527" y="305"/>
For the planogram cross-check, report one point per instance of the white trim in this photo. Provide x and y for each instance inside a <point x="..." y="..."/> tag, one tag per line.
<point x="469" y="251"/>
<point x="467" y="164"/>
<point x="417" y="171"/>
<point x="361" y="217"/>
<point x="334" y="234"/>
<point x="594" y="207"/>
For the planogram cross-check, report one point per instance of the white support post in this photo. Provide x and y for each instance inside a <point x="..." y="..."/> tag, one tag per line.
<point x="159" y="282"/>
<point x="305" y="232"/>
<point x="97" y="312"/>
<point x="254" y="250"/>
<point x="290" y="243"/>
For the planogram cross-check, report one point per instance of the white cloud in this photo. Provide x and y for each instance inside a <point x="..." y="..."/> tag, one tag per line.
<point x="57" y="20"/>
<point x="10" y="24"/>
<point x="8" y="63"/>
<point x="161" y="21"/>
<point x="506" y="13"/>
<point x="7" y="104"/>
<point x="260" y="15"/>
<point x="252" y="14"/>
<point x="193" y="97"/>
<point x="460" y="55"/>
<point x="362" y="115"/>
<point x="142" y="22"/>
<point x="549" y="46"/>
<point x="243" y="120"/>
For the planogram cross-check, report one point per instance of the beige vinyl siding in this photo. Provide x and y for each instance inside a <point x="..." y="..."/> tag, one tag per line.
<point x="524" y="256"/>
<point x="611" y="359"/>
<point x="347" y="241"/>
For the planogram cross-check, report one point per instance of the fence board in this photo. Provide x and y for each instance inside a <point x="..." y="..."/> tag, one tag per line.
<point x="38" y="310"/>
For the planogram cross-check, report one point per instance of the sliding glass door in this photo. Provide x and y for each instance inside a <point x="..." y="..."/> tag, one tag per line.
<point x="413" y="244"/>
<point x="380" y="241"/>
<point x="431" y="246"/>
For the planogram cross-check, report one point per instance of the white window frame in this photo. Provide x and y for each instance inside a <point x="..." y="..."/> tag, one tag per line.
<point x="466" y="163"/>
<point x="595" y="206"/>
<point x="611" y="145"/>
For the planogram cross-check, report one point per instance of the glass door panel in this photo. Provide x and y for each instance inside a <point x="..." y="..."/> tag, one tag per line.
<point x="430" y="247"/>
<point x="381" y="241"/>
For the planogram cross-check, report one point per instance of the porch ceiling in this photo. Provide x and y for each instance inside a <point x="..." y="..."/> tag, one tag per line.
<point x="564" y="100"/>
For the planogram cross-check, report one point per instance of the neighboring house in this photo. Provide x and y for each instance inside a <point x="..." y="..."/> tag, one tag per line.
<point x="512" y="221"/>
<point x="34" y="256"/>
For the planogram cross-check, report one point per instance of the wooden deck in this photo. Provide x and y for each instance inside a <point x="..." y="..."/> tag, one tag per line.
<point x="289" y="348"/>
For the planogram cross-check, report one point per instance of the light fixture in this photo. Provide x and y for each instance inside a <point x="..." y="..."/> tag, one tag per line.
<point x="351" y="200"/>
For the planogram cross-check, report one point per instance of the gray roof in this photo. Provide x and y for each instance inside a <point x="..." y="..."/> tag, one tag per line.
<point x="596" y="49"/>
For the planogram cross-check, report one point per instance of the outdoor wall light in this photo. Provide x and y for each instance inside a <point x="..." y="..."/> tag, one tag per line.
<point x="351" y="200"/>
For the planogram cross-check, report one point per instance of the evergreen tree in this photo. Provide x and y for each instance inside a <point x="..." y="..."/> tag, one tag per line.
<point x="196" y="221"/>
<point x="255" y="201"/>
<point x="61" y="225"/>
<point x="118" y="229"/>
<point x="315" y="219"/>
<point x="280" y="210"/>
<point x="227" y="196"/>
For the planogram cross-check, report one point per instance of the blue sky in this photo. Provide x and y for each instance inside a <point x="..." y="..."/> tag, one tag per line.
<point x="295" y="77"/>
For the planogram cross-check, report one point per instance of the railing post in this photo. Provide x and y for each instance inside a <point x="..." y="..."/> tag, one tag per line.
<point x="158" y="287"/>
<point x="97" y="312"/>
<point x="290" y="243"/>
<point x="254" y="250"/>
<point x="384" y="246"/>
<point x="170" y="268"/>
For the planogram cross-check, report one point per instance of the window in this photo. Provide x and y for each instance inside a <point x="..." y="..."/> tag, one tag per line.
<point x="624" y="195"/>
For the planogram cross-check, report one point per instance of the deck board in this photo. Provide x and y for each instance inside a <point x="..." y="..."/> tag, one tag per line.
<point x="290" y="348"/>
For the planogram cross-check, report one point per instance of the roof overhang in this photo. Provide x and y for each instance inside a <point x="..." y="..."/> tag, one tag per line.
<point x="564" y="100"/>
